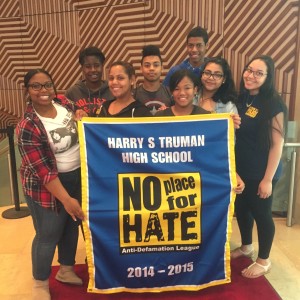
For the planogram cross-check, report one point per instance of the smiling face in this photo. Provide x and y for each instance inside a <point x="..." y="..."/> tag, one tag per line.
<point x="212" y="77"/>
<point x="92" y="69"/>
<point x="196" y="49"/>
<point x="119" y="82"/>
<point x="184" y="93"/>
<point x="255" y="75"/>
<point x="151" y="68"/>
<point x="41" y="96"/>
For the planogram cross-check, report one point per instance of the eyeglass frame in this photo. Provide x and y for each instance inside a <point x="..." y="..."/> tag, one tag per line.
<point x="256" y="74"/>
<point x="208" y="74"/>
<point x="41" y="86"/>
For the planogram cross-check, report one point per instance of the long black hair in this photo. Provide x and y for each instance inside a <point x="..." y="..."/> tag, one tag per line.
<point x="269" y="98"/>
<point x="227" y="91"/>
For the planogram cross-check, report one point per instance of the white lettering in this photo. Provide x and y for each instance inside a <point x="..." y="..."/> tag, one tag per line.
<point x="171" y="157"/>
<point x="182" y="141"/>
<point x="125" y="143"/>
<point x="135" y="157"/>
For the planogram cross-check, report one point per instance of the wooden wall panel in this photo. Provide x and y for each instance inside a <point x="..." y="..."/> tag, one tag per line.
<point x="9" y="8"/>
<point x="50" y="34"/>
<point x="263" y="27"/>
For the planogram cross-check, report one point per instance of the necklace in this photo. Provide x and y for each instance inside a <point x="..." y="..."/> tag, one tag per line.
<point x="118" y="105"/>
<point x="249" y="104"/>
<point x="207" y="105"/>
<point x="204" y="99"/>
<point x="91" y="102"/>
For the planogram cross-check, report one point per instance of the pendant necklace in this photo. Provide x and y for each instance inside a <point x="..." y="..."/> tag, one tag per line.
<point x="92" y="105"/>
<point x="249" y="104"/>
<point x="211" y="108"/>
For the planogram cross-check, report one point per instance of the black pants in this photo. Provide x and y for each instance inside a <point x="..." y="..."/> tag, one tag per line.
<point x="249" y="208"/>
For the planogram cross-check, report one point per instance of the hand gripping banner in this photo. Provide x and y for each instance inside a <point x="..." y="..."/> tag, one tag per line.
<point x="157" y="193"/>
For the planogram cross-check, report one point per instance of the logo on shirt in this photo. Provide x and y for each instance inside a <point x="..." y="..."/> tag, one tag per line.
<point x="154" y="106"/>
<point x="252" y="112"/>
<point x="64" y="137"/>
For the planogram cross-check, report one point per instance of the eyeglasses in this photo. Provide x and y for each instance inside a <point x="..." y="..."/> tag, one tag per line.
<point x="215" y="76"/>
<point x="38" y="86"/>
<point x="256" y="74"/>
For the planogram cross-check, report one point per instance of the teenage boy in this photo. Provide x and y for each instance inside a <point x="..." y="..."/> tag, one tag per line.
<point x="196" y="46"/>
<point x="151" y="92"/>
<point x="89" y="93"/>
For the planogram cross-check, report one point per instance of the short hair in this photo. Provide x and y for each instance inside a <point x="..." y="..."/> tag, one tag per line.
<point x="150" y="50"/>
<point x="198" y="32"/>
<point x="177" y="76"/>
<point x="128" y="68"/>
<point x="91" y="51"/>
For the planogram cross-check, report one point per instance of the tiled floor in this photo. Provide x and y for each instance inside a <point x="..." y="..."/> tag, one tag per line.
<point x="15" y="272"/>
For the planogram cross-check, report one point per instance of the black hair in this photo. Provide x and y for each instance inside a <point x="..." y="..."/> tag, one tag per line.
<point x="91" y="51"/>
<point x="227" y="91"/>
<point x="177" y="76"/>
<point x="33" y="72"/>
<point x="151" y="50"/>
<point x="129" y="69"/>
<point x="198" y="32"/>
<point x="269" y="98"/>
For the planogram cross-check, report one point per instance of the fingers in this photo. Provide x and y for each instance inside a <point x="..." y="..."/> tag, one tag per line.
<point x="239" y="189"/>
<point x="264" y="196"/>
<point x="79" y="114"/>
<point x="163" y="107"/>
<point x="236" y="120"/>
<point x="74" y="209"/>
<point x="73" y="217"/>
<point x="81" y="215"/>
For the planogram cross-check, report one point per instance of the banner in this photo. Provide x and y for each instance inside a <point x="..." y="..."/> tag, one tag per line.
<point x="157" y="193"/>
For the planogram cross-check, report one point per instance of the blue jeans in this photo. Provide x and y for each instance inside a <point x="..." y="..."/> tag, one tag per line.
<point x="54" y="228"/>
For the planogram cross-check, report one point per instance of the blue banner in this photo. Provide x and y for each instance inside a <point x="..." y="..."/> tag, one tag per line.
<point x="157" y="193"/>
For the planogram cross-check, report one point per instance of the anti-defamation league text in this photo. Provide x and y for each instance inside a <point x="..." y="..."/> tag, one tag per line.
<point x="147" y="249"/>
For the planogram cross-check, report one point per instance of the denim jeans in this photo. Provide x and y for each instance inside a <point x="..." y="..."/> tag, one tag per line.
<point x="54" y="229"/>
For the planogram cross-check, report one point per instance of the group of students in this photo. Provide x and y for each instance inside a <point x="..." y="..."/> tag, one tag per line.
<point x="50" y="168"/>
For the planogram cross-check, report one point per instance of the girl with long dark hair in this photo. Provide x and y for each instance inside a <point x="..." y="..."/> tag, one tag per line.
<point x="259" y="143"/>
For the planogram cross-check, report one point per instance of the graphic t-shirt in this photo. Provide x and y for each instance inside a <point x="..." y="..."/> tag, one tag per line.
<point x="63" y="138"/>
<point x="153" y="100"/>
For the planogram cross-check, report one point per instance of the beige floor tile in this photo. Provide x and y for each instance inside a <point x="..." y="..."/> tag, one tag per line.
<point x="15" y="248"/>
